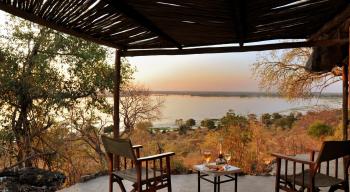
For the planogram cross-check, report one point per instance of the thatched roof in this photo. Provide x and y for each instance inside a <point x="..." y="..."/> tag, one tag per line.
<point x="179" y="24"/>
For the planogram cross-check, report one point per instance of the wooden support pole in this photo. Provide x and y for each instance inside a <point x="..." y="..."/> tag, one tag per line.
<point x="116" y="99"/>
<point x="345" y="101"/>
<point x="345" y="97"/>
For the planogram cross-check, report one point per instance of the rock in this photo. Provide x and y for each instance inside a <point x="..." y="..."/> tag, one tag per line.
<point x="30" y="180"/>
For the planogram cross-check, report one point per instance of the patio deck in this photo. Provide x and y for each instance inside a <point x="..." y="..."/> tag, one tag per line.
<point x="185" y="183"/>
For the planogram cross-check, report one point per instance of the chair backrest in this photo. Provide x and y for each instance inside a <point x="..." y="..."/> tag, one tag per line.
<point x="120" y="147"/>
<point x="331" y="150"/>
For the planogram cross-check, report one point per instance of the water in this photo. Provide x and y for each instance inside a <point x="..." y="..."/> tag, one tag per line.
<point x="199" y="107"/>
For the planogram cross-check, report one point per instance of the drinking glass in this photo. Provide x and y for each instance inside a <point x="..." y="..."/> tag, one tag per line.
<point x="207" y="156"/>
<point x="227" y="156"/>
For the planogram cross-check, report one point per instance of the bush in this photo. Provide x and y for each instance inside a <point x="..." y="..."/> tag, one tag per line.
<point x="319" y="129"/>
<point x="191" y="122"/>
<point x="266" y="119"/>
<point x="183" y="129"/>
<point x="178" y="166"/>
<point x="232" y="119"/>
<point x="276" y="116"/>
<point x="209" y="123"/>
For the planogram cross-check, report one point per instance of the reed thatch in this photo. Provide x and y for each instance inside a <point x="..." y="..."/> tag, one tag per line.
<point x="138" y="25"/>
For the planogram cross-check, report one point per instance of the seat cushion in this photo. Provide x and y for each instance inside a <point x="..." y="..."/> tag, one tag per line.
<point x="321" y="180"/>
<point x="131" y="174"/>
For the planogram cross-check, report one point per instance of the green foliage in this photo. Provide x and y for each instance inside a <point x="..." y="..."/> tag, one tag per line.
<point x="209" y="123"/>
<point x="319" y="129"/>
<point x="144" y="125"/>
<point x="279" y="121"/>
<point x="183" y="129"/>
<point x="266" y="119"/>
<point x="179" y="122"/>
<point x="232" y="119"/>
<point x="190" y="122"/>
<point x="178" y="166"/>
<point x="108" y="129"/>
<point x="276" y="116"/>
<point x="44" y="74"/>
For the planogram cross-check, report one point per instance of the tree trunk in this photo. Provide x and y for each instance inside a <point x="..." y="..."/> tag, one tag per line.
<point x="23" y="136"/>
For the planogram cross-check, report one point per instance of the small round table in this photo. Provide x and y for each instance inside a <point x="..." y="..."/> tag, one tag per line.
<point x="230" y="173"/>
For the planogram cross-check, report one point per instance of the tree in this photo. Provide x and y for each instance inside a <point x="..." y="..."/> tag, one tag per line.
<point x="285" y="71"/>
<point x="43" y="73"/>
<point x="209" y="123"/>
<point x="138" y="105"/>
<point x="232" y="119"/>
<point x="276" y="116"/>
<point x="179" y="122"/>
<point x="183" y="129"/>
<point x="266" y="119"/>
<point x="88" y="126"/>
<point x="319" y="129"/>
<point x="190" y="122"/>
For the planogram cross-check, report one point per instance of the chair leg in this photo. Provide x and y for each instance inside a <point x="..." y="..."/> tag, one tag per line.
<point x="120" y="183"/>
<point x="169" y="184"/>
<point x="139" y="187"/>
<point x="332" y="188"/>
<point x="346" y="187"/>
<point x="110" y="183"/>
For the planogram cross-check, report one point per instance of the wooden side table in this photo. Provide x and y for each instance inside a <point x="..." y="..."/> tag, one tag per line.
<point x="230" y="173"/>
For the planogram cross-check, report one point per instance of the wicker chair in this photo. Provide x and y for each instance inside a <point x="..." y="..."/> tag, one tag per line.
<point x="146" y="173"/>
<point x="313" y="177"/>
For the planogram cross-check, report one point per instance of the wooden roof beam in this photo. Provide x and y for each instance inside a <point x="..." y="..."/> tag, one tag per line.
<point x="239" y="14"/>
<point x="130" y="12"/>
<point x="286" y="45"/>
<point x="332" y="24"/>
<point x="33" y="18"/>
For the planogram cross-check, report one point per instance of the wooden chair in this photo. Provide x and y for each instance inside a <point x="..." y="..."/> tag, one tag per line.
<point x="146" y="173"/>
<point x="313" y="178"/>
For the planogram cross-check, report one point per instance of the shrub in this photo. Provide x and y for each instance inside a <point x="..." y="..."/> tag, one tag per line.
<point x="232" y="119"/>
<point x="183" y="129"/>
<point x="178" y="166"/>
<point x="190" y="122"/>
<point x="209" y="123"/>
<point x="276" y="116"/>
<point x="319" y="129"/>
<point x="266" y="119"/>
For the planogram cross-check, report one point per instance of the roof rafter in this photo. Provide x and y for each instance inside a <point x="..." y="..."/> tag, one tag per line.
<point x="130" y="12"/>
<point x="333" y="23"/>
<point x="46" y="23"/>
<point x="239" y="11"/>
<point x="286" y="45"/>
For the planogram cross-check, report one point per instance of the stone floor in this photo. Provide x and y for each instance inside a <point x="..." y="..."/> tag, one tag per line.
<point x="185" y="183"/>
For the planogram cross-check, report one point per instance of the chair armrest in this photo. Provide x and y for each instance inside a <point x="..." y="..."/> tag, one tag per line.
<point x="137" y="146"/>
<point x="289" y="158"/>
<point x="313" y="153"/>
<point x="158" y="156"/>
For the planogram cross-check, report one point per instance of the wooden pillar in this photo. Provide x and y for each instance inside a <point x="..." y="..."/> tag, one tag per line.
<point x="346" y="96"/>
<point x="116" y="99"/>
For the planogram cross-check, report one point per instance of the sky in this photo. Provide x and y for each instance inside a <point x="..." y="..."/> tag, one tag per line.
<point x="205" y="72"/>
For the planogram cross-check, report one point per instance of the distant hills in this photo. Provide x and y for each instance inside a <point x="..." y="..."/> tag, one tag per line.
<point x="228" y="94"/>
<point x="231" y="94"/>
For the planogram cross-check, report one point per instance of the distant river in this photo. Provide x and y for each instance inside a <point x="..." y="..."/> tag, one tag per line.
<point x="201" y="107"/>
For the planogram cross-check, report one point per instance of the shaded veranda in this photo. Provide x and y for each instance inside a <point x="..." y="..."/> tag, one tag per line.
<point x="141" y="28"/>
